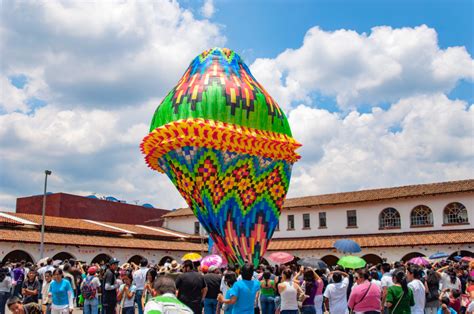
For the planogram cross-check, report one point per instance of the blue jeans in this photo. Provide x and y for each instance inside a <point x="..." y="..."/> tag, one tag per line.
<point x="91" y="306"/>
<point x="210" y="306"/>
<point x="308" y="309"/>
<point x="128" y="310"/>
<point x="17" y="289"/>
<point x="289" y="312"/>
<point x="3" y="301"/>
<point x="268" y="304"/>
<point x="138" y="300"/>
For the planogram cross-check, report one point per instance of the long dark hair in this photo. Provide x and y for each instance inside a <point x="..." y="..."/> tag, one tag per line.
<point x="452" y="275"/>
<point x="152" y="273"/>
<point x="310" y="280"/>
<point x="230" y="278"/>
<point x="288" y="273"/>
<point x="266" y="276"/>
<point x="400" y="278"/>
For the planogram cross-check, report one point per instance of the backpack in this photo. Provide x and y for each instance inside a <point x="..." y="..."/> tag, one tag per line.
<point x="88" y="290"/>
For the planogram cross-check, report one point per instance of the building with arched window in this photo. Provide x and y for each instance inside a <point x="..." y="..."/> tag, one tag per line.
<point x="421" y="216"/>
<point x="389" y="218"/>
<point x="389" y="223"/>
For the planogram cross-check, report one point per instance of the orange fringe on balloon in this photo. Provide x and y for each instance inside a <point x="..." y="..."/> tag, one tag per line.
<point x="218" y="135"/>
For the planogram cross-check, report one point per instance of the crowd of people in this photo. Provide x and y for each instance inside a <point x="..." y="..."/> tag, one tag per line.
<point x="106" y="288"/>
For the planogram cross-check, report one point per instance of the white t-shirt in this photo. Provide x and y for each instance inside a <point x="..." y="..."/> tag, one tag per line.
<point x="386" y="280"/>
<point x="126" y="302"/>
<point x="446" y="283"/>
<point x="377" y="282"/>
<point x="139" y="278"/>
<point x="419" y="296"/>
<point x="336" y="293"/>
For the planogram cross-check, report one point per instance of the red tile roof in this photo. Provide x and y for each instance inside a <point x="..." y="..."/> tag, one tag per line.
<point x="378" y="240"/>
<point x="365" y="195"/>
<point x="33" y="236"/>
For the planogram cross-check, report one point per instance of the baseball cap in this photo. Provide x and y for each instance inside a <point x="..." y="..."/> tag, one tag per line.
<point x="113" y="260"/>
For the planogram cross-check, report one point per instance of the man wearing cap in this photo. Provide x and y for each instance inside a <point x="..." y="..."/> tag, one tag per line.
<point x="139" y="278"/>
<point x="191" y="287"/>
<point x="110" y="287"/>
<point x="213" y="282"/>
<point x="90" y="291"/>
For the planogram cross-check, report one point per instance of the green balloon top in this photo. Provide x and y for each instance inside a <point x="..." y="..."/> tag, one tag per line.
<point x="218" y="86"/>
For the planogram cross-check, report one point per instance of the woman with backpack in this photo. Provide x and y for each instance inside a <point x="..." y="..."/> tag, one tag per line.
<point x="90" y="291"/>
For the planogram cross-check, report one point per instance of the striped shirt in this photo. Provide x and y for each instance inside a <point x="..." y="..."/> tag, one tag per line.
<point x="166" y="303"/>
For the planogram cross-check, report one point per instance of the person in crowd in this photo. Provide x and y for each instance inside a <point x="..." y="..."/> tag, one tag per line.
<point x="229" y="278"/>
<point x="110" y="287"/>
<point x="432" y="283"/>
<point x="139" y="279"/>
<point x="90" y="288"/>
<point x="335" y="293"/>
<point x="449" y="280"/>
<point x="399" y="296"/>
<point x="309" y="285"/>
<point x="149" y="290"/>
<point x="375" y="278"/>
<point x="5" y="288"/>
<point x="166" y="300"/>
<point x="61" y="294"/>
<point x="191" y="287"/>
<point x="385" y="283"/>
<point x="289" y="291"/>
<point x="445" y="308"/>
<point x="173" y="272"/>
<point x="16" y="306"/>
<point x="126" y="294"/>
<point x="45" y="299"/>
<point x="243" y="294"/>
<point x="413" y="277"/>
<point x="213" y="281"/>
<point x="365" y="296"/>
<point x="267" y="293"/>
<point x="30" y="289"/>
<point x="18" y="278"/>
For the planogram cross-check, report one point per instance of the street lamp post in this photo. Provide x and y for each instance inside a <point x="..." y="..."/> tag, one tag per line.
<point x="46" y="174"/>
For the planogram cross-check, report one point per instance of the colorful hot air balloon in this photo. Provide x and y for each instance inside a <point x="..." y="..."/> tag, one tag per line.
<point x="227" y="147"/>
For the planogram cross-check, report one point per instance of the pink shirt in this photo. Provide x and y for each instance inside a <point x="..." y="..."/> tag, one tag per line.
<point x="371" y="302"/>
<point x="319" y="289"/>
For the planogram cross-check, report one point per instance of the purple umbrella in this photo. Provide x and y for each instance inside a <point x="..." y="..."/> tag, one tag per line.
<point x="419" y="261"/>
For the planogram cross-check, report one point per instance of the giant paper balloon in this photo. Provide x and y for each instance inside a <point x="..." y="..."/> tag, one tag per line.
<point x="227" y="147"/>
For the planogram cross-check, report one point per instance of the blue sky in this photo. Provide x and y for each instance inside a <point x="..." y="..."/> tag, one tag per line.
<point x="380" y="93"/>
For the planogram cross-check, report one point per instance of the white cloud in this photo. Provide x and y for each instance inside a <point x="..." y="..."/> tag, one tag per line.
<point x="384" y="66"/>
<point x="419" y="139"/>
<point x="103" y="53"/>
<point x="208" y="9"/>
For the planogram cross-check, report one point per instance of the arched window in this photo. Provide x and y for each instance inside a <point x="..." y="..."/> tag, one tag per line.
<point x="389" y="219"/>
<point x="455" y="213"/>
<point x="421" y="215"/>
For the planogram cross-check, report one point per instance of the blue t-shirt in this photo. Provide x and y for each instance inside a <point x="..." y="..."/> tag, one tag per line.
<point x="440" y="310"/>
<point x="228" y="307"/>
<point x="59" y="291"/>
<point x="245" y="291"/>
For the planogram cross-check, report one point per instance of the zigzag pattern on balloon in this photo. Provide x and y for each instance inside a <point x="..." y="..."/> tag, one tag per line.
<point x="236" y="197"/>
<point x="223" y="69"/>
<point x="219" y="135"/>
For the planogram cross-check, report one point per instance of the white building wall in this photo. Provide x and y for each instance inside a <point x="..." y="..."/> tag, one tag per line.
<point x="367" y="217"/>
<point x="389" y="253"/>
<point x="87" y="253"/>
